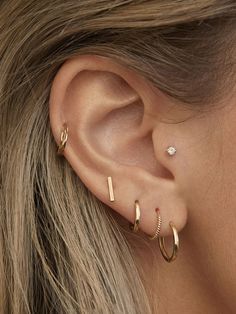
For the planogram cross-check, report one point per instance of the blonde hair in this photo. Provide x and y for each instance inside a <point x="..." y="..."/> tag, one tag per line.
<point x="61" y="250"/>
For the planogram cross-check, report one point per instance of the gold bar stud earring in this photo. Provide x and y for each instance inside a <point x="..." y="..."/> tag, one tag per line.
<point x="110" y="189"/>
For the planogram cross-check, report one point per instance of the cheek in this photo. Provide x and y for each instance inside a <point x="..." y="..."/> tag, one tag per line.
<point x="208" y="181"/>
<point x="209" y="176"/>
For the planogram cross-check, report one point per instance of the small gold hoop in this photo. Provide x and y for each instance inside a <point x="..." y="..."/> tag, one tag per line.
<point x="175" y="245"/>
<point x="134" y="227"/>
<point x="158" y="227"/>
<point x="64" y="138"/>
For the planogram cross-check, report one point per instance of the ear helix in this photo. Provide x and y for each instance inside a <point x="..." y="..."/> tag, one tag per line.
<point x="135" y="227"/>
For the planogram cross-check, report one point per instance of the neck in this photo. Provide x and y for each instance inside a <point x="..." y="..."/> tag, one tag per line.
<point x="180" y="286"/>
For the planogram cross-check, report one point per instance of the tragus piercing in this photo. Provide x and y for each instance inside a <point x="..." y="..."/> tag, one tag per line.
<point x="171" y="150"/>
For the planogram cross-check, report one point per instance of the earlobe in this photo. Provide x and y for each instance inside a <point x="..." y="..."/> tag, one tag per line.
<point x="110" y="135"/>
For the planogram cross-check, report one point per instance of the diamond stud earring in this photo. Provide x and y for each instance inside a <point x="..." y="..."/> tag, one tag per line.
<point x="171" y="150"/>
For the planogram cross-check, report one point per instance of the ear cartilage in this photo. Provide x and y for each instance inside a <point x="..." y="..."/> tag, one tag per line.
<point x="110" y="189"/>
<point x="171" y="150"/>
<point x="64" y="138"/>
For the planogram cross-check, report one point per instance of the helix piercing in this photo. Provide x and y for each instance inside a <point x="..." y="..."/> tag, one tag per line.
<point x="134" y="227"/>
<point x="171" y="150"/>
<point x="110" y="189"/>
<point x="175" y="249"/>
<point x="158" y="225"/>
<point x="64" y="138"/>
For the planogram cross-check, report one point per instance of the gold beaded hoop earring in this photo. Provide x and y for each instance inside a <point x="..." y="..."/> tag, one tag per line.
<point x="158" y="225"/>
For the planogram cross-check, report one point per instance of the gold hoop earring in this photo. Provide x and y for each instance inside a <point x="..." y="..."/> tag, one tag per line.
<point x="158" y="227"/>
<point x="64" y="138"/>
<point x="134" y="227"/>
<point x="175" y="245"/>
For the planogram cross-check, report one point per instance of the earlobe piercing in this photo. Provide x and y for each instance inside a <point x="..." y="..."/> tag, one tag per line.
<point x="175" y="245"/>
<point x="134" y="227"/>
<point x="158" y="227"/>
<point x="64" y="138"/>
<point x="110" y="189"/>
<point x="171" y="150"/>
<point x="161" y="240"/>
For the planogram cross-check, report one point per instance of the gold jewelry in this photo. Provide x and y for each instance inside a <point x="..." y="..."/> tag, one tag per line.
<point x="110" y="189"/>
<point x="134" y="227"/>
<point x="175" y="245"/>
<point x="158" y="228"/>
<point x="64" y="138"/>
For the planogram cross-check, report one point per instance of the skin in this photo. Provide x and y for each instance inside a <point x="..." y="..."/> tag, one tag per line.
<point x="120" y="126"/>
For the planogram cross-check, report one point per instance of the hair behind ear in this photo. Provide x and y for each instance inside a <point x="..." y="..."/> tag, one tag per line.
<point x="60" y="252"/>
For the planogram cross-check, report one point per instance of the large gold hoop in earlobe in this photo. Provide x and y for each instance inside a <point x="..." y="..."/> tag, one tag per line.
<point x="161" y="241"/>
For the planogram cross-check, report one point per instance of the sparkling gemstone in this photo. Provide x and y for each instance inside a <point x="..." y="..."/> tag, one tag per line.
<point x="171" y="150"/>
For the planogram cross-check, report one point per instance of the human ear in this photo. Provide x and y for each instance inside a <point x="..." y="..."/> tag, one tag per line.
<point x="112" y="117"/>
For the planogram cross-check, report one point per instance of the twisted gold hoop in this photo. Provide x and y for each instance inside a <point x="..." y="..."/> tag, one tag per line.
<point x="64" y="138"/>
<point x="175" y="245"/>
<point x="134" y="227"/>
<point x="158" y="228"/>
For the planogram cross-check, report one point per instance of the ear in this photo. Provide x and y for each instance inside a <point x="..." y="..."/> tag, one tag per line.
<point x="112" y="116"/>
